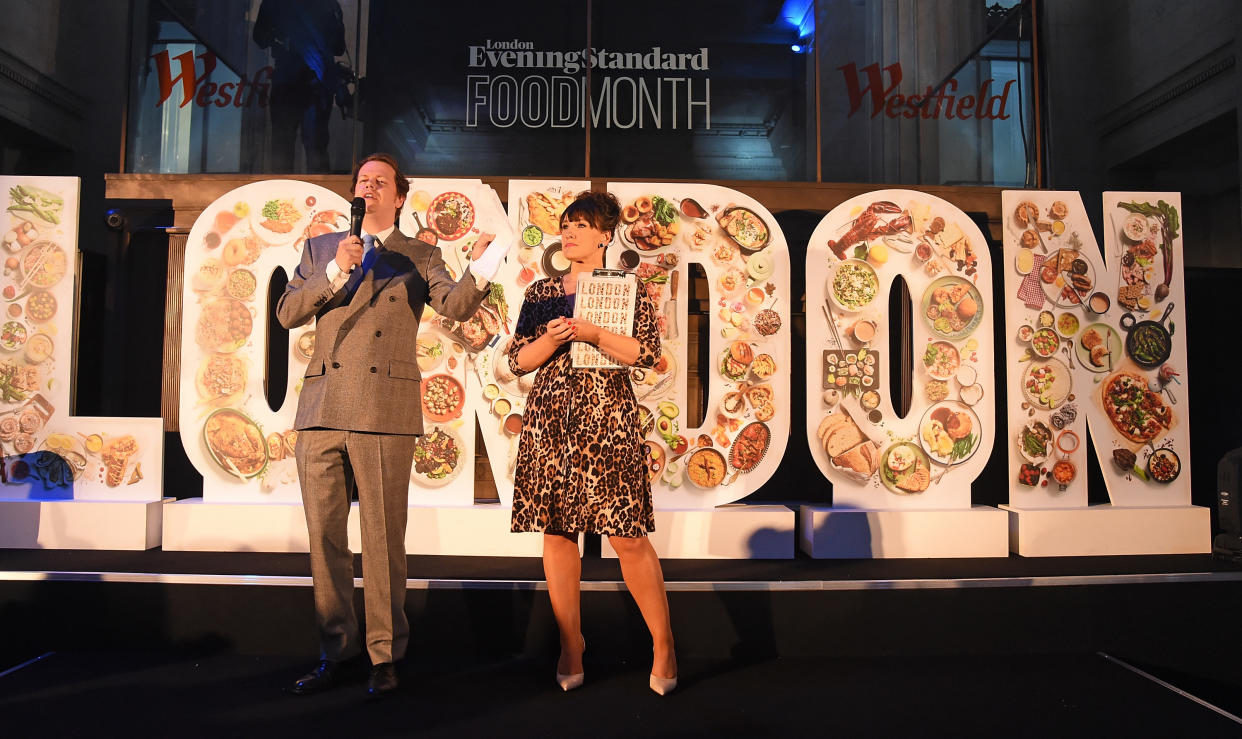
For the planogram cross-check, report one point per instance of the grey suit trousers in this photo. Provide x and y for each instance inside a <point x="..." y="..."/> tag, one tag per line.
<point x="330" y="464"/>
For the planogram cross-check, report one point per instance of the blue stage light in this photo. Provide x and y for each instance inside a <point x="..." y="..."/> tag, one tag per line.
<point x="801" y="15"/>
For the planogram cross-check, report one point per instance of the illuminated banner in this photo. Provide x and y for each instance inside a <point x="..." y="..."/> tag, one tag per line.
<point x="875" y="458"/>
<point x="1096" y="344"/>
<point x="49" y="454"/>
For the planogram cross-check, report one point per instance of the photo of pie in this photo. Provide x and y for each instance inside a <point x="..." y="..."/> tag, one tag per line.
<point x="450" y="215"/>
<point x="545" y="209"/>
<point x="705" y="468"/>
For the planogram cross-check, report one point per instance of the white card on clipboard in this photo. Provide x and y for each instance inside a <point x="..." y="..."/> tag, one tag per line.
<point x="606" y="298"/>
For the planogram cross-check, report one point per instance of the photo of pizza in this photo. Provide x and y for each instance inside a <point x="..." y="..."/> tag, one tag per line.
<point x="1138" y="413"/>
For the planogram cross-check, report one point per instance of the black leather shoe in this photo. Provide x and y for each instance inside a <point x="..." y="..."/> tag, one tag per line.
<point x="318" y="679"/>
<point x="383" y="680"/>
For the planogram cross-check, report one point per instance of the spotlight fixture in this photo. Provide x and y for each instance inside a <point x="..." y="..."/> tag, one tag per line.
<point x="114" y="219"/>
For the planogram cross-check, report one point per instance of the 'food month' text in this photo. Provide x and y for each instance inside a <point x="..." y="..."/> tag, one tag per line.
<point x="619" y="102"/>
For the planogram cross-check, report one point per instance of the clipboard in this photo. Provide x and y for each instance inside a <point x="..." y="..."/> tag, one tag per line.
<point x="607" y="298"/>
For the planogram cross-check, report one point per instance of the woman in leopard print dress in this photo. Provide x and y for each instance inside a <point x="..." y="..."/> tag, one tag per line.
<point x="580" y="465"/>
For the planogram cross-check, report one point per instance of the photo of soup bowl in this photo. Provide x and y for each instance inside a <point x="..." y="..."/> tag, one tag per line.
<point x="1099" y="303"/>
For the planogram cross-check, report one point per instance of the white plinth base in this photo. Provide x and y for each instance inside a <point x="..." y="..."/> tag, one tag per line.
<point x="1108" y="529"/>
<point x="469" y="531"/>
<point x="835" y="533"/>
<point x="727" y="532"/>
<point x="480" y="531"/>
<point x="191" y="525"/>
<point x="80" y="524"/>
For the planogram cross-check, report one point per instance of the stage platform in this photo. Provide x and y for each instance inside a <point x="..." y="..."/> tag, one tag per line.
<point x="517" y="573"/>
<point x="1009" y="639"/>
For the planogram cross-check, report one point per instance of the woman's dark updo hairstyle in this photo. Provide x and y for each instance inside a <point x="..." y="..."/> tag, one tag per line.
<point x="600" y="209"/>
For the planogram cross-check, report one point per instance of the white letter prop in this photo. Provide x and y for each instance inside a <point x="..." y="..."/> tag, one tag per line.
<point x="452" y="214"/>
<point x="746" y="425"/>
<point x="242" y="448"/>
<point x="876" y="460"/>
<point x="46" y="453"/>
<point x="535" y="208"/>
<point x="232" y="252"/>
<point x="1096" y="342"/>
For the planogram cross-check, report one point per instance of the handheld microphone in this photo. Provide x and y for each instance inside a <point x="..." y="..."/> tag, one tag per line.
<point x="357" y="210"/>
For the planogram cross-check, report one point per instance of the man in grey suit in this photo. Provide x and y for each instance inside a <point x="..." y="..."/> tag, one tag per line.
<point x="359" y="412"/>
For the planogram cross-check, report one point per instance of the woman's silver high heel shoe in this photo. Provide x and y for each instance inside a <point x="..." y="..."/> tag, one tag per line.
<point x="663" y="685"/>
<point x="574" y="681"/>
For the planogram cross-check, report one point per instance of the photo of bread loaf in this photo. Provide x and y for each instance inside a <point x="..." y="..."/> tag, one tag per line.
<point x="848" y="448"/>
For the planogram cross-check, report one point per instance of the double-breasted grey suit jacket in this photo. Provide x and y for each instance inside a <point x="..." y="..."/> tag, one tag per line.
<point x="363" y="375"/>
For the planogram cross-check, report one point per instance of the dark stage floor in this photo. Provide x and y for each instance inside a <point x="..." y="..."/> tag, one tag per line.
<point x="162" y="694"/>
<point x="160" y="643"/>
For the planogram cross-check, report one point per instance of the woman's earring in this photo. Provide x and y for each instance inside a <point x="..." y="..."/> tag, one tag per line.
<point x="602" y="246"/>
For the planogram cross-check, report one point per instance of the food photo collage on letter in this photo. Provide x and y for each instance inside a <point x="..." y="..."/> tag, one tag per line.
<point x="745" y="428"/>
<point x="664" y="229"/>
<point x="1095" y="345"/>
<point x="45" y="451"/>
<point x="874" y="458"/>
<point x="244" y="449"/>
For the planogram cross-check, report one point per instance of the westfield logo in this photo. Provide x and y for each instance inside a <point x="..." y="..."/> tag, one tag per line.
<point x="197" y="88"/>
<point x="869" y="82"/>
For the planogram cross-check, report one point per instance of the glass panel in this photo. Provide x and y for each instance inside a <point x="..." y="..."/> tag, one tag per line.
<point x="931" y="92"/>
<point x="706" y="90"/>
<point x="242" y="86"/>
<point x="495" y="93"/>
<point x="910" y="91"/>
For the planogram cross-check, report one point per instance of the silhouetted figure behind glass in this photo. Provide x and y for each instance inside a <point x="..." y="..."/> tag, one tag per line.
<point x="305" y="37"/>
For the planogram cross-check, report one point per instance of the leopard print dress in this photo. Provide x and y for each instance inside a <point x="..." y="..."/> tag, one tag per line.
<point x="580" y="464"/>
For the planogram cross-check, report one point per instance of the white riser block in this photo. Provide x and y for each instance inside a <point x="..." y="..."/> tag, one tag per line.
<point x="833" y="533"/>
<point x="80" y="524"/>
<point x="1108" y="529"/>
<point x="726" y="532"/>
<point x="480" y="531"/>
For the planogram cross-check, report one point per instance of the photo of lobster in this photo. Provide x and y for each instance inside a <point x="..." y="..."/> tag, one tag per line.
<point x="869" y="226"/>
